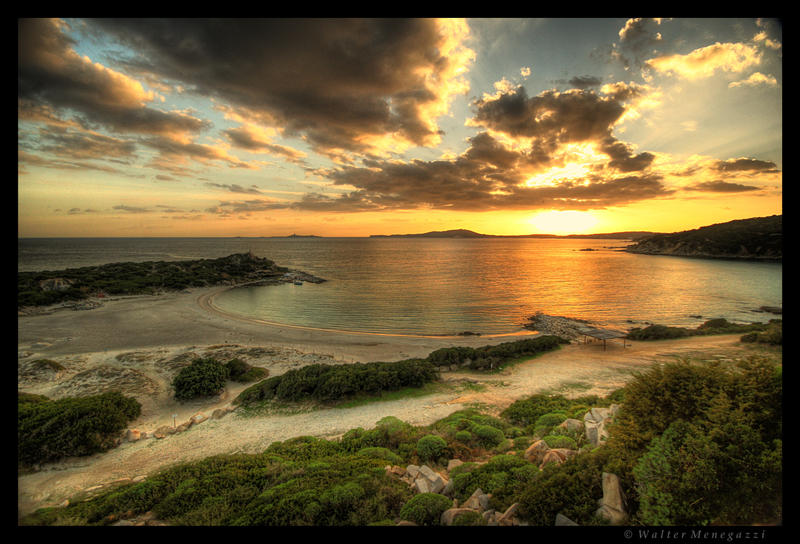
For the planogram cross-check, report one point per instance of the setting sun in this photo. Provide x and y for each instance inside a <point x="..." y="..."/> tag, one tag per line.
<point x="564" y="222"/>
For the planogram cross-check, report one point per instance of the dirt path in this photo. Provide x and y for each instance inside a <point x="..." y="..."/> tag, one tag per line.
<point x="575" y="369"/>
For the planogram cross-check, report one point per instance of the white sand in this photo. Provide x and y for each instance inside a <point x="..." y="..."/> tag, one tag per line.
<point x="161" y="327"/>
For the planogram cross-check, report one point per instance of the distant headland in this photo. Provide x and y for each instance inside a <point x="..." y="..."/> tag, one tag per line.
<point x="758" y="238"/>
<point x="463" y="233"/>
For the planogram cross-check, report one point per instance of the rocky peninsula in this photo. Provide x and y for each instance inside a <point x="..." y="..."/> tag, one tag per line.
<point x="84" y="288"/>
<point x="759" y="238"/>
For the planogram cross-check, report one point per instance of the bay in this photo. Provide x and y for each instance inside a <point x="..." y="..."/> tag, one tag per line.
<point x="423" y="286"/>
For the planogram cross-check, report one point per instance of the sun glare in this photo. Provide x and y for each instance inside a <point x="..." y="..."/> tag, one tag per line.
<point x="564" y="222"/>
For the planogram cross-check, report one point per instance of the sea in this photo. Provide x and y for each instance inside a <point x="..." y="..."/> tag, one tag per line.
<point x="447" y="286"/>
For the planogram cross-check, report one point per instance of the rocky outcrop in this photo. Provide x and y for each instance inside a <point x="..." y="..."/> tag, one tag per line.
<point x="596" y="421"/>
<point x="565" y="327"/>
<point x="613" y="506"/>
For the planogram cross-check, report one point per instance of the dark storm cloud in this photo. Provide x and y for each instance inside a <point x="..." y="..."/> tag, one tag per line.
<point x="719" y="186"/>
<point x="54" y="78"/>
<point x="330" y="80"/>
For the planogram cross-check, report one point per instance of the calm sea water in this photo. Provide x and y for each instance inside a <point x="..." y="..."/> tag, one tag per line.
<point x="447" y="286"/>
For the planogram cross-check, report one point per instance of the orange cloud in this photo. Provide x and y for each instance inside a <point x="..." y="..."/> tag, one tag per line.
<point x="705" y="61"/>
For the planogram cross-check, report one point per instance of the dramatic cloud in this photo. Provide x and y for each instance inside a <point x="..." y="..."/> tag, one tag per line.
<point x="341" y="84"/>
<point x="52" y="75"/>
<point x="540" y="136"/>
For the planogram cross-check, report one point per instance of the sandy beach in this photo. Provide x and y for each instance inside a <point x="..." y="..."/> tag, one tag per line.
<point x="139" y="343"/>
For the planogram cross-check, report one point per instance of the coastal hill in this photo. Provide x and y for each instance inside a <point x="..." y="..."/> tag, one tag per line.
<point x="758" y="238"/>
<point x="463" y="233"/>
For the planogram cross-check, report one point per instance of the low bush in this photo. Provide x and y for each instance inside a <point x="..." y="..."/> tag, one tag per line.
<point x="203" y="378"/>
<point x="330" y="383"/>
<point x="48" y="430"/>
<point x="425" y="508"/>
<point x="430" y="447"/>
<point x="494" y="356"/>
<point x="556" y="441"/>
<point x="772" y="335"/>
<point x="241" y="372"/>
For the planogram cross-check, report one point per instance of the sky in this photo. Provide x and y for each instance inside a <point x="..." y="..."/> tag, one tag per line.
<point x="342" y="127"/>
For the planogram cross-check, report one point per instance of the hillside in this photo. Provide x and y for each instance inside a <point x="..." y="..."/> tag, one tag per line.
<point x="759" y="238"/>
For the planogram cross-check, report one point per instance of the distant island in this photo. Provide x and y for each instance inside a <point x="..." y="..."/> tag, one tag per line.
<point x="463" y="233"/>
<point x="758" y="238"/>
<point x="136" y="278"/>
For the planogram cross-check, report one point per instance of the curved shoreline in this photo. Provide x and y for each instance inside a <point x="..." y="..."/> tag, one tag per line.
<point x="206" y="302"/>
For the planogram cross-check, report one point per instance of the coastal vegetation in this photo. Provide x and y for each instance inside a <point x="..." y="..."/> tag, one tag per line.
<point x="333" y="383"/>
<point x="51" y="429"/>
<point x="135" y="278"/>
<point x="692" y="442"/>
<point x="765" y="333"/>
<point x="759" y="238"/>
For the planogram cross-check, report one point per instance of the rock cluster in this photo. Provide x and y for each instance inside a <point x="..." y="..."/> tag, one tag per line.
<point x="595" y="422"/>
<point x="564" y="327"/>
<point x="134" y="435"/>
<point x="423" y="479"/>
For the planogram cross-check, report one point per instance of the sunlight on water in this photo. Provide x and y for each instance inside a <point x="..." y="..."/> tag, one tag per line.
<point x="449" y="286"/>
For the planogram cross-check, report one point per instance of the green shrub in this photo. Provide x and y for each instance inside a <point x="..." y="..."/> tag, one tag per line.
<point x="487" y="435"/>
<point x="657" y="332"/>
<point x="49" y="430"/>
<point x="463" y="436"/>
<point x="470" y="518"/>
<point x="380" y="453"/>
<point x="203" y="378"/>
<point x="551" y="419"/>
<point x="773" y="334"/>
<point x="430" y="447"/>
<point x="425" y="508"/>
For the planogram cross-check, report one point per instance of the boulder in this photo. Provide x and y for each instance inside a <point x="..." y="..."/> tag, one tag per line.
<point x="163" y="431"/>
<point x="478" y="501"/>
<point x="133" y="435"/>
<point x="573" y="425"/>
<point x="198" y="418"/>
<point x="552" y="456"/>
<point x="536" y="451"/>
<point x="613" y="505"/>
<point x="449" y="515"/>
<point x="562" y="520"/>
<point x="507" y="518"/>
<point x="595" y="422"/>
<point x="428" y="481"/>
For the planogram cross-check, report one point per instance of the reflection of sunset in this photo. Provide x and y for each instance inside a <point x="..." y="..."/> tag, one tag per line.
<point x="564" y="222"/>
